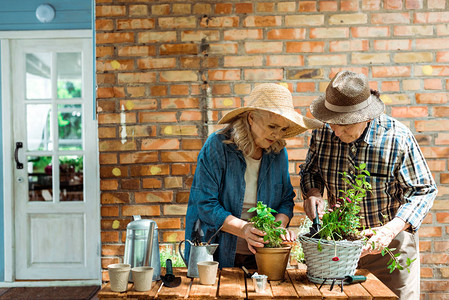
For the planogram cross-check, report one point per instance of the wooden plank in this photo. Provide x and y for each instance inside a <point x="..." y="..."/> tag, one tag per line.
<point x="198" y="290"/>
<point x="106" y="293"/>
<point x="336" y="292"/>
<point x="251" y="290"/>
<point x="375" y="287"/>
<point x="283" y="289"/>
<point x="232" y="284"/>
<point x="155" y="285"/>
<point x="304" y="288"/>
<point x="179" y="291"/>
<point x="356" y="291"/>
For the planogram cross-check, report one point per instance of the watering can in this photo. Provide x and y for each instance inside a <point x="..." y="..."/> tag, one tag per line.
<point x="142" y="245"/>
<point x="201" y="252"/>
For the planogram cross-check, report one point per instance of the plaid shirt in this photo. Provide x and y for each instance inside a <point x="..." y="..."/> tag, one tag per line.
<point x="402" y="184"/>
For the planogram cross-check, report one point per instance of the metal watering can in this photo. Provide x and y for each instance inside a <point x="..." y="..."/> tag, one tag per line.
<point x="142" y="245"/>
<point x="202" y="252"/>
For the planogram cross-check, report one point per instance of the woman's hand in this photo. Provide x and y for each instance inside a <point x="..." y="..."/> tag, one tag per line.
<point x="253" y="236"/>
<point x="289" y="236"/>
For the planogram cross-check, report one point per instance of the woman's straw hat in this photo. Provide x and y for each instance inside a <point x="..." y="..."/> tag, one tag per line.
<point x="276" y="99"/>
<point x="348" y="100"/>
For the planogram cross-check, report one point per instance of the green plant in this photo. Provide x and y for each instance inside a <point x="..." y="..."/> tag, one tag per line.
<point x="342" y="220"/>
<point x="175" y="257"/>
<point x="265" y="221"/>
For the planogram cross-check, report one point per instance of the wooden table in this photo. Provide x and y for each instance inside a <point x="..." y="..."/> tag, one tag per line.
<point x="232" y="284"/>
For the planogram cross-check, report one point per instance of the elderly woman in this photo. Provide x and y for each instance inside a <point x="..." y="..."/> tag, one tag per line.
<point x="241" y="164"/>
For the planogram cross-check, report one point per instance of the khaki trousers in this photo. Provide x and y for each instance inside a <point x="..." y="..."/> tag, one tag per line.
<point x="404" y="284"/>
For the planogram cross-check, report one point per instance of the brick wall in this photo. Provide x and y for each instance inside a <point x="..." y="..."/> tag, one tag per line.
<point x="168" y="70"/>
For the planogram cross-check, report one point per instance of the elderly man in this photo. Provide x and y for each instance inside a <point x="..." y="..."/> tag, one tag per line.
<point x="357" y="131"/>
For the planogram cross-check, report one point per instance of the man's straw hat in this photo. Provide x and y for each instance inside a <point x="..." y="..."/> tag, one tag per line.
<point x="276" y="99"/>
<point x="348" y="100"/>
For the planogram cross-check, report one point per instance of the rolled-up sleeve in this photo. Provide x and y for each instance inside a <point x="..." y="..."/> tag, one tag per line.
<point x="419" y="188"/>
<point x="310" y="175"/>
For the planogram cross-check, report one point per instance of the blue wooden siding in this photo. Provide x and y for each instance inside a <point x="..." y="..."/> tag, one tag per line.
<point x="21" y="15"/>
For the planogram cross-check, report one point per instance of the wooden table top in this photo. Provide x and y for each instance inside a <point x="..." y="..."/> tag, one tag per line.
<point x="232" y="284"/>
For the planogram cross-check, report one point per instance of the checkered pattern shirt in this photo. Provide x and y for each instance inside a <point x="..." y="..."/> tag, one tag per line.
<point x="402" y="184"/>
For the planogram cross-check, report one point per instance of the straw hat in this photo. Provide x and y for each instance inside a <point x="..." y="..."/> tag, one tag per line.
<point x="276" y="99"/>
<point x="348" y="100"/>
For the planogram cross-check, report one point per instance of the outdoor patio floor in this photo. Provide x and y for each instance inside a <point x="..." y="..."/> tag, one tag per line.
<point x="50" y="293"/>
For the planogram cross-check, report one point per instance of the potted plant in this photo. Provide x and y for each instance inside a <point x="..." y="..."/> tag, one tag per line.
<point x="273" y="258"/>
<point x="334" y="250"/>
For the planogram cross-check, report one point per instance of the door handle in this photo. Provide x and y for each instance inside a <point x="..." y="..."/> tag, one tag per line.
<point x="19" y="165"/>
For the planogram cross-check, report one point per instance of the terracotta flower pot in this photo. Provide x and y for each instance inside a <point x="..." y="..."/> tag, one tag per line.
<point x="273" y="261"/>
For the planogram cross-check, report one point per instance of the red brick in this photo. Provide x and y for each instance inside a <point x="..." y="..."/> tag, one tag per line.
<point x="409" y="112"/>
<point x="109" y="237"/>
<point x="114" y="38"/>
<point x="307" y="6"/>
<point x="172" y="236"/>
<point x="426" y="231"/>
<point x="223" y="8"/>
<point x="109" y="211"/>
<point x="179" y="156"/>
<point x="219" y="22"/>
<point x="413" y="4"/>
<point x="295" y="47"/>
<point x="229" y="75"/>
<point x="262" y="21"/>
<point x="390" y="18"/>
<point x="108" y="158"/>
<point x="393" y="4"/>
<point x="158" y="90"/>
<point x="349" y="5"/>
<point x="265" y="7"/>
<point x="108" y="185"/>
<point x="444" y="178"/>
<point x="151" y="183"/>
<point x="131" y="24"/>
<point x="149" y="170"/>
<point x="263" y="74"/>
<point x="243" y="8"/>
<point x="399" y="71"/>
<point x="142" y="210"/>
<point x="153" y="197"/>
<point x="243" y="34"/>
<point x="432" y="125"/>
<point x="114" y="198"/>
<point x="432" y="98"/>
<point x="168" y="223"/>
<point x="110" y="10"/>
<point x="328" y="6"/>
<point x="175" y="49"/>
<point x="433" y="84"/>
<point x="287" y="34"/>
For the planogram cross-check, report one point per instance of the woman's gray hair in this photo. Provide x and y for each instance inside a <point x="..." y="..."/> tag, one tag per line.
<point x="240" y="132"/>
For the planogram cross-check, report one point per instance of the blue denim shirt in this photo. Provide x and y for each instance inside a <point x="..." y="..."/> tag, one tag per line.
<point x="218" y="190"/>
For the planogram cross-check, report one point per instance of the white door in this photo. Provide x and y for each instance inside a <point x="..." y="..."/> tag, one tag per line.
<point x="55" y="193"/>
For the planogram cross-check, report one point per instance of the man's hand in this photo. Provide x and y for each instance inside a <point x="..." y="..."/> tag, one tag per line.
<point x="314" y="197"/>
<point x="379" y="238"/>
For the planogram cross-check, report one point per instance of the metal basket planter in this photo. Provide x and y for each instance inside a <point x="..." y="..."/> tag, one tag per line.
<point x="320" y="265"/>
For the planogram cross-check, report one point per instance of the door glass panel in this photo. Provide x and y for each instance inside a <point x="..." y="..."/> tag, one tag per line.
<point x="71" y="178"/>
<point x="70" y="127"/>
<point x="40" y="183"/>
<point x="69" y="75"/>
<point x="39" y="133"/>
<point x="38" y="76"/>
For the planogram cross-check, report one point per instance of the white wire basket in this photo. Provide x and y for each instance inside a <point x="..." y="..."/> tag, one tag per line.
<point x="320" y="266"/>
